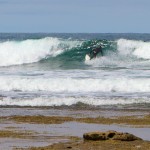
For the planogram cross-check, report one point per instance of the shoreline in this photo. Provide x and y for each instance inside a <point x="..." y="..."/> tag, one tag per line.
<point x="44" y="127"/>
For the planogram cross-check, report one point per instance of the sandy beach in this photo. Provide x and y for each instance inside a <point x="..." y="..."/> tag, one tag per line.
<point x="62" y="128"/>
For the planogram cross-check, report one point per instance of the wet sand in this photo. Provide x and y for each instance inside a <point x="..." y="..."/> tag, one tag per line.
<point x="41" y="128"/>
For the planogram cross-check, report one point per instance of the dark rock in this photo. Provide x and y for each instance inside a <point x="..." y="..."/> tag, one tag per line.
<point x="69" y="147"/>
<point x="95" y="136"/>
<point x="110" y="135"/>
<point x="125" y="137"/>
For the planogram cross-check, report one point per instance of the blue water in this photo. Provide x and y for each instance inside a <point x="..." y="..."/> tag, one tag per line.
<point x="50" y="70"/>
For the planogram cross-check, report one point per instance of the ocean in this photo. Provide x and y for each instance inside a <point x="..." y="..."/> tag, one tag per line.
<point x="44" y="69"/>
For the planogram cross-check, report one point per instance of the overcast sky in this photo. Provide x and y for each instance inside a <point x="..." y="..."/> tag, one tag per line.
<point x="84" y="16"/>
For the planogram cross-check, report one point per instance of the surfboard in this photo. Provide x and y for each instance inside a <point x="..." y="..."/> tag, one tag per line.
<point x="87" y="57"/>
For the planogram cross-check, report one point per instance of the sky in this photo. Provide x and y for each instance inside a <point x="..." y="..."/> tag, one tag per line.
<point x="75" y="16"/>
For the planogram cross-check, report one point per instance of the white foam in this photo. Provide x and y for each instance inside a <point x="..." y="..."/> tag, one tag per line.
<point x="56" y="101"/>
<point x="110" y="84"/>
<point x="139" y="49"/>
<point x="29" y="51"/>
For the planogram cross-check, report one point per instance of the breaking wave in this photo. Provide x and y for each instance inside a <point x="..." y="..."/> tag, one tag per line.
<point x="139" y="49"/>
<point x="35" y="50"/>
<point x="32" y="50"/>
<point x="74" y="85"/>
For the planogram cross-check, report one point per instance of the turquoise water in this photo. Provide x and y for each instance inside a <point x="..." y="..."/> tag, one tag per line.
<point x="50" y="69"/>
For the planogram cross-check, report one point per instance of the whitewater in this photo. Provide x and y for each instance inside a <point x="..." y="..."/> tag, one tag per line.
<point x="50" y="70"/>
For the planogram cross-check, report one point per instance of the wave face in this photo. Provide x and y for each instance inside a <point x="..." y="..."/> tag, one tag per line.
<point x="48" y="71"/>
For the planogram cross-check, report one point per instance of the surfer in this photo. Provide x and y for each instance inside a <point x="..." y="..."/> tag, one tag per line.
<point x="95" y="51"/>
